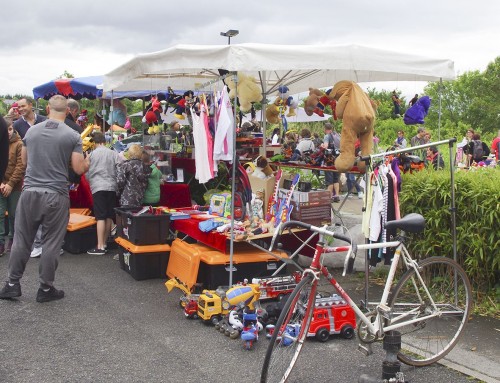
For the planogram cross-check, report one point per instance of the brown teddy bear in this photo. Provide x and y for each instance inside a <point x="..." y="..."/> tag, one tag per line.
<point x="316" y="102"/>
<point x="248" y="90"/>
<point x="273" y="111"/>
<point x="358" y="115"/>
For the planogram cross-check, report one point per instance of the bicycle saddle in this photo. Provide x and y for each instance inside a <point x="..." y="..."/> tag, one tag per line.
<point x="412" y="223"/>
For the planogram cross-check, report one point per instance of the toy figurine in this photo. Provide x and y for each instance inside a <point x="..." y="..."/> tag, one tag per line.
<point x="250" y="332"/>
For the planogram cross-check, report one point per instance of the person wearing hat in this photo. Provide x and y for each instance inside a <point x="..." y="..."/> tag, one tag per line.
<point x="332" y="141"/>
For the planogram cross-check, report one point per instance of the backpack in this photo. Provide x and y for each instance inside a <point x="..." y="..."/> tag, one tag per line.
<point x="477" y="150"/>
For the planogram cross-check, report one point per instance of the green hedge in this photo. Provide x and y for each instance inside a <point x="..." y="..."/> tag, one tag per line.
<point x="477" y="201"/>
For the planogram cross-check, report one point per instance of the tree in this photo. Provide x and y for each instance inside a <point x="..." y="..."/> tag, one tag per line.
<point x="66" y="74"/>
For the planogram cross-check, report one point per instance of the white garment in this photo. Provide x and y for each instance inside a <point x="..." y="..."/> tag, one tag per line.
<point x="224" y="129"/>
<point x="376" y="213"/>
<point x="203" y="158"/>
<point x="276" y="140"/>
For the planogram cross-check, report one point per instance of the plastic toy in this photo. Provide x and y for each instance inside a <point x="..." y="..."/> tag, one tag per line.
<point x="332" y="315"/>
<point x="250" y="332"/>
<point x="277" y="287"/>
<point x="214" y="304"/>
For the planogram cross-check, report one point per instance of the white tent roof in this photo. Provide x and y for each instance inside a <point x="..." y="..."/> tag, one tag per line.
<point x="296" y="66"/>
<point x="300" y="116"/>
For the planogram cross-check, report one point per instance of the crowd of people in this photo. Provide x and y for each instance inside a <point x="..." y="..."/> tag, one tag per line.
<point x="40" y="155"/>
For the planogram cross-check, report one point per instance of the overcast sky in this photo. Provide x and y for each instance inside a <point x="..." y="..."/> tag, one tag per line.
<point x="40" y="39"/>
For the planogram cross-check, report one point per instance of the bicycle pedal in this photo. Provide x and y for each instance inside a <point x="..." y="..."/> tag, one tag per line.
<point x="365" y="348"/>
<point x="385" y="311"/>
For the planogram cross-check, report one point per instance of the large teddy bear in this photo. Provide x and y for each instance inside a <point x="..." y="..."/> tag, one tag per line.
<point x="248" y="91"/>
<point x="358" y="115"/>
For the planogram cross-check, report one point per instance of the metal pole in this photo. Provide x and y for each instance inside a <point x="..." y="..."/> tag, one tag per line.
<point x="439" y="112"/>
<point x="262" y="113"/>
<point x="233" y="185"/>
<point x="410" y="149"/>
<point x="453" y="209"/>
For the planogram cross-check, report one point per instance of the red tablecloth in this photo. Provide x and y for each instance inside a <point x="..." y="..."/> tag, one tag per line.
<point x="187" y="164"/>
<point x="82" y="196"/>
<point x="175" y="195"/>
<point x="221" y="242"/>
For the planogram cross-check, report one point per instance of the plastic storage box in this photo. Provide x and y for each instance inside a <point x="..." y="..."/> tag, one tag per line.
<point x="212" y="266"/>
<point x="143" y="229"/>
<point x="143" y="262"/>
<point x="81" y="234"/>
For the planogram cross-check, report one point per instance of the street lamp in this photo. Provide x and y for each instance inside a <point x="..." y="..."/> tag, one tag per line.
<point x="230" y="33"/>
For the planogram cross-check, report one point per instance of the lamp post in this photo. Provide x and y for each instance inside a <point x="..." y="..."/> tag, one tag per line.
<point x="230" y="33"/>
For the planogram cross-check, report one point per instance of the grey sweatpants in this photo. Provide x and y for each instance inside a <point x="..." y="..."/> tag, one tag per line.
<point x="50" y="211"/>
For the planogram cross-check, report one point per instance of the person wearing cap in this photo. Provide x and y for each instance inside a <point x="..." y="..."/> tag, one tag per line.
<point x="331" y="140"/>
<point x="28" y="116"/>
<point x="14" y="112"/>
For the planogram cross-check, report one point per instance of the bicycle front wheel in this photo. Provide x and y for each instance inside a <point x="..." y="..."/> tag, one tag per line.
<point x="290" y="332"/>
<point x="444" y="309"/>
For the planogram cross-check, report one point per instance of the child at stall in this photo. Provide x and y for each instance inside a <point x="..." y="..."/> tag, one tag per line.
<point x="152" y="192"/>
<point x="132" y="177"/>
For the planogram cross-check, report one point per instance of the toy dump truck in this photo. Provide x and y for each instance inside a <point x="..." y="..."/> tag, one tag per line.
<point x="214" y="304"/>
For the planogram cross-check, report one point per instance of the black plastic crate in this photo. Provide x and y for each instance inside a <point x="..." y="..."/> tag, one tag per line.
<point x="79" y="241"/>
<point x="143" y="229"/>
<point x="144" y="265"/>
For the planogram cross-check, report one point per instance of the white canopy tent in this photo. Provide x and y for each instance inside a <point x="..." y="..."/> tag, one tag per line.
<point x="299" y="67"/>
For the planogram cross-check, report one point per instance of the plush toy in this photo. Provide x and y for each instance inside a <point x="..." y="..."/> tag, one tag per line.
<point x="353" y="106"/>
<point x="273" y="111"/>
<point x="261" y="168"/>
<point x="417" y="112"/>
<point x="152" y="114"/>
<point x="317" y="101"/>
<point x="248" y="90"/>
<point x="183" y="104"/>
<point x="287" y="101"/>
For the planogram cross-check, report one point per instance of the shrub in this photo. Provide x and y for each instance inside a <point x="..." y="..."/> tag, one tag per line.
<point x="477" y="218"/>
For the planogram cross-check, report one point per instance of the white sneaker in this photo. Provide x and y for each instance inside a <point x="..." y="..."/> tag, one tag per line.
<point x="36" y="252"/>
<point x="361" y="195"/>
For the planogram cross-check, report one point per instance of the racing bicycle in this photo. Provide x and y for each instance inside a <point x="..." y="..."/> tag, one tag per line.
<point x="428" y="302"/>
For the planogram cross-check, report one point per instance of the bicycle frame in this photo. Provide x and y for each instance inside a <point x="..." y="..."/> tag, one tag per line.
<point x="375" y="328"/>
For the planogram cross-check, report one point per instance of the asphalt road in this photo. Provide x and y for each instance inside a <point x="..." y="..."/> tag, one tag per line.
<point x="112" y="328"/>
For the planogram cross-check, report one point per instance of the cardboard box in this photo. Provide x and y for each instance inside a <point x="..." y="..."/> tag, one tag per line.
<point x="264" y="184"/>
<point x="314" y="196"/>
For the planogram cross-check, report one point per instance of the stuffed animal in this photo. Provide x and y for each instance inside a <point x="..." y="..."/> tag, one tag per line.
<point x="317" y="101"/>
<point x="287" y="101"/>
<point x="152" y="114"/>
<point x="273" y="111"/>
<point x="248" y="90"/>
<point x="353" y="106"/>
<point x="183" y="104"/>
<point x="262" y="168"/>
<point x="417" y="112"/>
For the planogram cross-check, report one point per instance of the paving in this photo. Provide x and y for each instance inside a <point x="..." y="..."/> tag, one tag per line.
<point x="112" y="328"/>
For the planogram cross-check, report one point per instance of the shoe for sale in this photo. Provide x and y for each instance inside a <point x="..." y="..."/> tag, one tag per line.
<point x="36" y="252"/>
<point x="361" y="195"/>
<point x="51" y="294"/>
<point x="97" y="251"/>
<point x="10" y="291"/>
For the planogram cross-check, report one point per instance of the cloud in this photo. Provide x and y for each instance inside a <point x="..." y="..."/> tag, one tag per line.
<point x="41" y="39"/>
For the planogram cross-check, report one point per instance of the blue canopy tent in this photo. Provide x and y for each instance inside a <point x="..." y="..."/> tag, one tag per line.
<point x="88" y="87"/>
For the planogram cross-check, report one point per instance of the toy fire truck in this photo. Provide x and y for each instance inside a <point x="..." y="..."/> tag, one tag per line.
<point x="277" y="287"/>
<point x="332" y="315"/>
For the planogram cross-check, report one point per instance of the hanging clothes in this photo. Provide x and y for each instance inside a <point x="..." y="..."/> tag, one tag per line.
<point x="224" y="129"/>
<point x="203" y="144"/>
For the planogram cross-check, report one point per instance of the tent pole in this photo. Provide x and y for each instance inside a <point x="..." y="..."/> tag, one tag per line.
<point x="111" y="115"/>
<point x="440" y="87"/>
<point x="233" y="183"/>
<point x="262" y="113"/>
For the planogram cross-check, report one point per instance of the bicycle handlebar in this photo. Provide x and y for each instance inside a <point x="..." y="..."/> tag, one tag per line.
<point x="320" y="230"/>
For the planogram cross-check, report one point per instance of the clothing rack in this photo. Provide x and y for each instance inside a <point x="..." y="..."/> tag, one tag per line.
<point x="450" y="142"/>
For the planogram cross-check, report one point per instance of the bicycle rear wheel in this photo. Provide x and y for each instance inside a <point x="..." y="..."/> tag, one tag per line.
<point x="290" y="332"/>
<point x="426" y="341"/>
